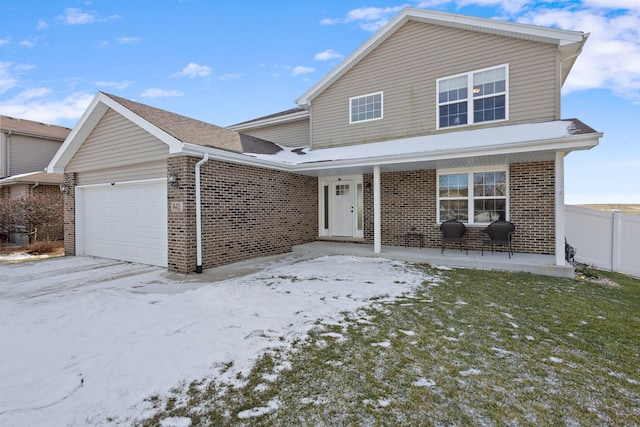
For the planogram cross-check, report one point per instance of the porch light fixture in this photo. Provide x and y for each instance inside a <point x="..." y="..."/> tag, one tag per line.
<point x="172" y="179"/>
<point x="64" y="188"/>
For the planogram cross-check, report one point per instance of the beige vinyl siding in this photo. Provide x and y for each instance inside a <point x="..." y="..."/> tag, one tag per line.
<point x="116" y="143"/>
<point x="405" y="68"/>
<point x="30" y="154"/>
<point x="137" y="172"/>
<point x="292" y="134"/>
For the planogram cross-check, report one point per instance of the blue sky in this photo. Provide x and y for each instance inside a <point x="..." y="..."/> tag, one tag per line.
<point x="227" y="62"/>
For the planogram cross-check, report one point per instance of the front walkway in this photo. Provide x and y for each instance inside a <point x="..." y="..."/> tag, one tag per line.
<point x="530" y="263"/>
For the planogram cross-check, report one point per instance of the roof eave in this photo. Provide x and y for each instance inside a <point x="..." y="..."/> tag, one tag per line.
<point x="90" y="119"/>
<point x="564" y="144"/>
<point x="300" y="115"/>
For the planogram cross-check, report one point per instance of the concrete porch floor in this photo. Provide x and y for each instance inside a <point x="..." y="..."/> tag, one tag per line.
<point x="519" y="262"/>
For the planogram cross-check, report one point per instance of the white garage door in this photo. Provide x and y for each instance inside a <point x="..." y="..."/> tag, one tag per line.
<point x="125" y="221"/>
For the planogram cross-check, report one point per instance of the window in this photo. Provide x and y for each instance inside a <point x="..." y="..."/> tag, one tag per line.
<point x="366" y="107"/>
<point x="473" y="197"/>
<point x="475" y="97"/>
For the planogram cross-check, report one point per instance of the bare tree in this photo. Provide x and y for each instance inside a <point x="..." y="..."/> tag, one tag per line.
<point x="40" y="215"/>
<point x="7" y="217"/>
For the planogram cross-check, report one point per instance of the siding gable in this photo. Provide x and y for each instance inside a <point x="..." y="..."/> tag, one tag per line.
<point x="117" y="142"/>
<point x="405" y="67"/>
<point x="292" y="134"/>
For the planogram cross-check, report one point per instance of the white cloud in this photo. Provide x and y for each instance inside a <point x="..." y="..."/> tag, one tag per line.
<point x="36" y="104"/>
<point x="235" y="76"/>
<point x="128" y="40"/>
<point x="160" y="93"/>
<point x="75" y="16"/>
<point x="4" y="42"/>
<point x="29" y="43"/>
<point x="613" y="4"/>
<point x="42" y="25"/>
<point x="370" y="18"/>
<point x="327" y="55"/>
<point x="194" y="70"/>
<point x="300" y="70"/>
<point x="115" y="85"/>
<point x="611" y="56"/>
<point x="9" y="73"/>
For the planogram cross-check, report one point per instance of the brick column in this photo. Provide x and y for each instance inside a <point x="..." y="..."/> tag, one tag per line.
<point x="69" y="199"/>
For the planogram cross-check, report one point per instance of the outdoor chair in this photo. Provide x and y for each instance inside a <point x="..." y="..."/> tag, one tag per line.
<point x="454" y="231"/>
<point x="498" y="233"/>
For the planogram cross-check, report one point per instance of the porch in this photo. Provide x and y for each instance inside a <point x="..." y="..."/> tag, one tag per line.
<point x="519" y="262"/>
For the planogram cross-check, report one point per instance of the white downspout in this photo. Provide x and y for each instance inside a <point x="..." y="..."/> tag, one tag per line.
<point x="204" y="160"/>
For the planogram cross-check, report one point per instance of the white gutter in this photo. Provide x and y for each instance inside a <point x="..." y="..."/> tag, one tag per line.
<point x="204" y="160"/>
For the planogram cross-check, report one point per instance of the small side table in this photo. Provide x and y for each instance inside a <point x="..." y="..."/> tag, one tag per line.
<point x="419" y="236"/>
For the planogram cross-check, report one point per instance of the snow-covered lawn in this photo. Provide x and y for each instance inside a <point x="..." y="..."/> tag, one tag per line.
<point x="85" y="341"/>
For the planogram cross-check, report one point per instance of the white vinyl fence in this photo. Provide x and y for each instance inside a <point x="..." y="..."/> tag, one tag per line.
<point x="606" y="240"/>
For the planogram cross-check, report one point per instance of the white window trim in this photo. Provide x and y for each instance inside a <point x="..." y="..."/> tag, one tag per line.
<point x="470" y="198"/>
<point x="351" y="122"/>
<point x="470" y="97"/>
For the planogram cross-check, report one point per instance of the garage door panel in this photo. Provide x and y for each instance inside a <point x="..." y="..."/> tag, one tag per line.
<point x="125" y="221"/>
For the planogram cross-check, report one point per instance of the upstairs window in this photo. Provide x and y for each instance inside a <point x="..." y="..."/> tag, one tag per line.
<point x="475" y="97"/>
<point x="365" y="107"/>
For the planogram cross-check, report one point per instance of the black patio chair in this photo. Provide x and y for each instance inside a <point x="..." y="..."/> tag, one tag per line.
<point x="498" y="233"/>
<point x="453" y="231"/>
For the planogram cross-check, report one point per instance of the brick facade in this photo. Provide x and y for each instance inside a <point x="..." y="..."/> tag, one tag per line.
<point x="70" y="214"/>
<point x="409" y="201"/>
<point x="247" y="212"/>
<point x="532" y="191"/>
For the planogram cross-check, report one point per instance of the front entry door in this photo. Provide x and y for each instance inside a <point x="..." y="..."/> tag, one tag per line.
<point x="342" y="208"/>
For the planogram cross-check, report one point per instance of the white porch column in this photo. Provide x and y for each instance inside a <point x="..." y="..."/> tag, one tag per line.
<point x="377" y="240"/>
<point x="560" y="209"/>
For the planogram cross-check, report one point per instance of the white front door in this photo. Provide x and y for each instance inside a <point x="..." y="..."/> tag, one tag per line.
<point x="342" y="208"/>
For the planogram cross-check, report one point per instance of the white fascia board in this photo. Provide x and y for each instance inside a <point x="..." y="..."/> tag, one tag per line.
<point x="567" y="144"/>
<point x="514" y="29"/>
<point x="510" y="29"/>
<point x="79" y="133"/>
<point x="564" y="144"/>
<point x="299" y="115"/>
<point x="231" y="157"/>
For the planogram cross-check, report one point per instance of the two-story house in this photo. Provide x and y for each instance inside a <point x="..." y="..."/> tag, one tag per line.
<point x="436" y="116"/>
<point x="26" y="148"/>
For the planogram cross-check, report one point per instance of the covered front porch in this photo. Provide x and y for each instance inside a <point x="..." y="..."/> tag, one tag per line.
<point x="519" y="262"/>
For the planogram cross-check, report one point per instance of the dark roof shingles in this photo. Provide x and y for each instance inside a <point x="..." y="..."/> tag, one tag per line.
<point x="192" y="131"/>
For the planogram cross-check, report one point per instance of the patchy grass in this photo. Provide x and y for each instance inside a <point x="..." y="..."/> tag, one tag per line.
<point x="467" y="348"/>
<point x="44" y="249"/>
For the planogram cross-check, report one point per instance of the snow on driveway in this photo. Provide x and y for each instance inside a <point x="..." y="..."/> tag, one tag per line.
<point x="83" y="341"/>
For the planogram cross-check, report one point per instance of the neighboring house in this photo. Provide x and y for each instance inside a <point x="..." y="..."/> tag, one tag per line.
<point x="26" y="148"/>
<point x="436" y="116"/>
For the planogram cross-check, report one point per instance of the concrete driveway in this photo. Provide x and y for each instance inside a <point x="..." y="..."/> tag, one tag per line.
<point x="86" y="341"/>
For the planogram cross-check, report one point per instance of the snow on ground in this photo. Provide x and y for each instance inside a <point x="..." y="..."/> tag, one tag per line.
<point x="86" y="340"/>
